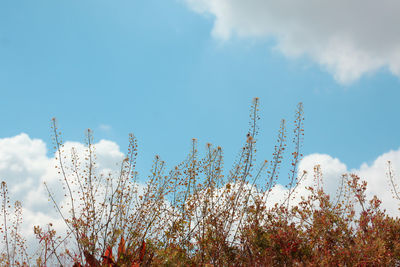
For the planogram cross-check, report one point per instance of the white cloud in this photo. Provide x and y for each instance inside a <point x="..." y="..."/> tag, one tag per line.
<point x="348" y="37"/>
<point x="378" y="182"/>
<point x="331" y="168"/>
<point x="374" y="174"/>
<point x="23" y="162"/>
<point x="24" y="166"/>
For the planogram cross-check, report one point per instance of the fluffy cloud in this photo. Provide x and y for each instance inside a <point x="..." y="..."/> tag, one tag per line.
<point x="378" y="182"/>
<point x="23" y="163"/>
<point x="25" y="166"/>
<point x="349" y="38"/>
<point x="375" y="175"/>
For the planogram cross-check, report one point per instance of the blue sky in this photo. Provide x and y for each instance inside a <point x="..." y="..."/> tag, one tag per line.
<point x="164" y="70"/>
<point x="173" y="70"/>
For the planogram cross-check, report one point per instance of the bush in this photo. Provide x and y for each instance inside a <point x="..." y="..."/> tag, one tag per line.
<point x="195" y="215"/>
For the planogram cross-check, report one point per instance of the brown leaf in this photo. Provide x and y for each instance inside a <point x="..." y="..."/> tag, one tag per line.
<point x="91" y="259"/>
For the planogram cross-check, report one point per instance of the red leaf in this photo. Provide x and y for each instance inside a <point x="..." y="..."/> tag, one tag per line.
<point x="142" y="251"/>
<point x="108" y="252"/>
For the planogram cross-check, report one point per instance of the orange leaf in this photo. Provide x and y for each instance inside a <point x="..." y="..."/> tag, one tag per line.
<point x="121" y="247"/>
<point x="107" y="257"/>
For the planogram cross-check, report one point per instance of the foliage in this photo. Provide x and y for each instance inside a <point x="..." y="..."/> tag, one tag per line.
<point x="195" y="215"/>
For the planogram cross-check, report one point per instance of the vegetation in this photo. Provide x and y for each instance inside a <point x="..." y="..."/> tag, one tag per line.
<point x="198" y="215"/>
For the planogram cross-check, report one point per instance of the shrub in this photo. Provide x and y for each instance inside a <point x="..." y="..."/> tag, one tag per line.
<point x="198" y="215"/>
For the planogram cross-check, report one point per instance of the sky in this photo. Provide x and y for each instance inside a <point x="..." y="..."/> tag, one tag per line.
<point x="172" y="70"/>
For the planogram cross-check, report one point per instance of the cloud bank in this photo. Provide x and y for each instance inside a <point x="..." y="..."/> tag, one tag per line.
<point x="347" y="37"/>
<point x="24" y="165"/>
